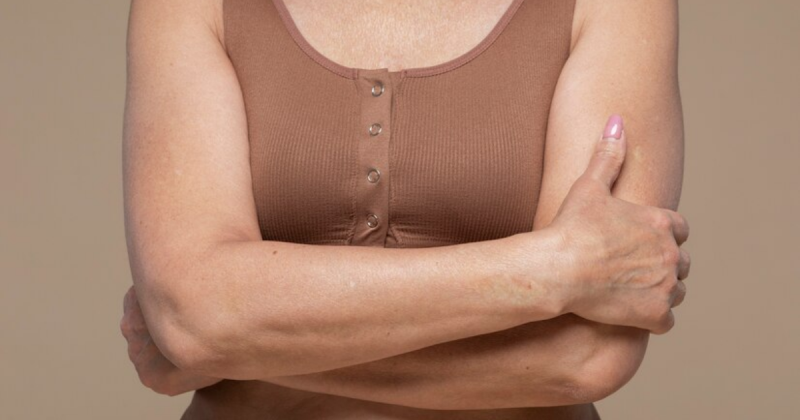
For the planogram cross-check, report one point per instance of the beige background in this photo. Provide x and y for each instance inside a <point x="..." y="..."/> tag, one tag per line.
<point x="732" y="355"/>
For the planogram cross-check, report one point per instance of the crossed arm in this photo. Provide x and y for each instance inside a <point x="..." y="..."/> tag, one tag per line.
<point x="623" y="61"/>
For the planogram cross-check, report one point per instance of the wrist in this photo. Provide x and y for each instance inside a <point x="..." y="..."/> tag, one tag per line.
<point x="567" y="269"/>
<point x="545" y="268"/>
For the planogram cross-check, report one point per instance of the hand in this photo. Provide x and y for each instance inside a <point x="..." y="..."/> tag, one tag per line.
<point x="626" y="264"/>
<point x="155" y="371"/>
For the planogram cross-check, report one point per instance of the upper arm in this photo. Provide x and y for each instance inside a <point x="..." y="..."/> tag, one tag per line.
<point x="624" y="62"/>
<point x="186" y="173"/>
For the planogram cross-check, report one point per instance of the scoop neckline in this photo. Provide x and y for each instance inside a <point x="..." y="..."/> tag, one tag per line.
<point x="353" y="72"/>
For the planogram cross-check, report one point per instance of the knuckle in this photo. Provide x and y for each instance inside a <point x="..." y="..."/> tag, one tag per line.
<point x="665" y="322"/>
<point x="660" y="329"/>
<point x="673" y="289"/>
<point x="664" y="309"/>
<point x="662" y="316"/>
<point x="125" y="327"/>
<point x="677" y="294"/>
<point x="132" y="354"/>
<point x="681" y="286"/>
<point x="685" y="224"/>
<point x="662" y="221"/>
<point x="678" y="300"/>
<point x="147" y="379"/>
<point x="671" y="255"/>
<point x="656" y="319"/>
<point x="669" y="322"/>
<point x="686" y="260"/>
<point x="681" y="294"/>
<point x="607" y="150"/>
<point x="139" y="328"/>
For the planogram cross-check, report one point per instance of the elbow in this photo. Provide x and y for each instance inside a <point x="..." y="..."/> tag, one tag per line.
<point x="188" y="309"/>
<point x="199" y="322"/>
<point x="194" y="337"/>
<point x="182" y="324"/>
<point x="613" y="364"/>
<point x="189" y="347"/>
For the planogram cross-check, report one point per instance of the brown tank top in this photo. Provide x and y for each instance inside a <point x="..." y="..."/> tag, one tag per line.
<point x="421" y="157"/>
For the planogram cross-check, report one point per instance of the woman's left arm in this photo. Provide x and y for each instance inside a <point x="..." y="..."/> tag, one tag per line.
<point x="624" y="61"/>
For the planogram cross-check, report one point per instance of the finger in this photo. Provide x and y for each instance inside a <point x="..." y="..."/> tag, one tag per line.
<point x="667" y="323"/>
<point x="670" y="320"/>
<point x="135" y="314"/>
<point x="138" y="347"/>
<point x="680" y="293"/>
<point x="680" y="226"/>
<point x="127" y="300"/>
<point x="683" y="265"/>
<point x="125" y="327"/>
<point x="609" y="153"/>
<point x="137" y="321"/>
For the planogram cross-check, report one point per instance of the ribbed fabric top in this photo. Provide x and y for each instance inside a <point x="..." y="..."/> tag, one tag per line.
<point x="420" y="157"/>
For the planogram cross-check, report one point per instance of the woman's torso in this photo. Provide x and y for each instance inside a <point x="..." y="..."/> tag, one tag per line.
<point x="466" y="92"/>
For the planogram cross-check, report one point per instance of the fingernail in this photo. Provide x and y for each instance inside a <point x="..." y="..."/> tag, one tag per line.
<point x="613" y="127"/>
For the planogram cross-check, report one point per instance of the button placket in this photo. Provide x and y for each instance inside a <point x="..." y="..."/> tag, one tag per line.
<point x="372" y="204"/>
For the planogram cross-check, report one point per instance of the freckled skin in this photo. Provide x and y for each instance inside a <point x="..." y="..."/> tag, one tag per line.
<point x="408" y="33"/>
<point x="395" y="35"/>
<point x="401" y="35"/>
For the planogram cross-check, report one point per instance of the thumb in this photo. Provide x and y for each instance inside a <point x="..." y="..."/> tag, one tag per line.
<point x="609" y="153"/>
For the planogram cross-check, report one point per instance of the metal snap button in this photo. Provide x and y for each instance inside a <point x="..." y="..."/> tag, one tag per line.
<point x="374" y="175"/>
<point x="375" y="129"/>
<point x="377" y="89"/>
<point x="372" y="220"/>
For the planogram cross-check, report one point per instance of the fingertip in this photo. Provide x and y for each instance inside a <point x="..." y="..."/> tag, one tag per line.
<point x="614" y="127"/>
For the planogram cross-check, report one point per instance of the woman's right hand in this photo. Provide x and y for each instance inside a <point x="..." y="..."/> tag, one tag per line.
<point x="626" y="266"/>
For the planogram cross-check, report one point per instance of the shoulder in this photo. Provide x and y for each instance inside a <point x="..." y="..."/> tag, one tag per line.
<point x="626" y="21"/>
<point x="625" y="41"/>
<point x="153" y="14"/>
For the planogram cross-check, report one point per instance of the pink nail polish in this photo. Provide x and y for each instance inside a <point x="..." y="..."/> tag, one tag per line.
<point x="613" y="127"/>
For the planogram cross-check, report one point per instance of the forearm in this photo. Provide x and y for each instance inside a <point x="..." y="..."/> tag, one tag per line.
<point x="264" y="309"/>
<point x="539" y="364"/>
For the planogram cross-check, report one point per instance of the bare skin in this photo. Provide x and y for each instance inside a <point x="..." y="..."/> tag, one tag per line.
<point x="523" y="365"/>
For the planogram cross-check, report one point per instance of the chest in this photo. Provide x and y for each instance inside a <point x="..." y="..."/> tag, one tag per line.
<point x="395" y="35"/>
<point x="450" y="152"/>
